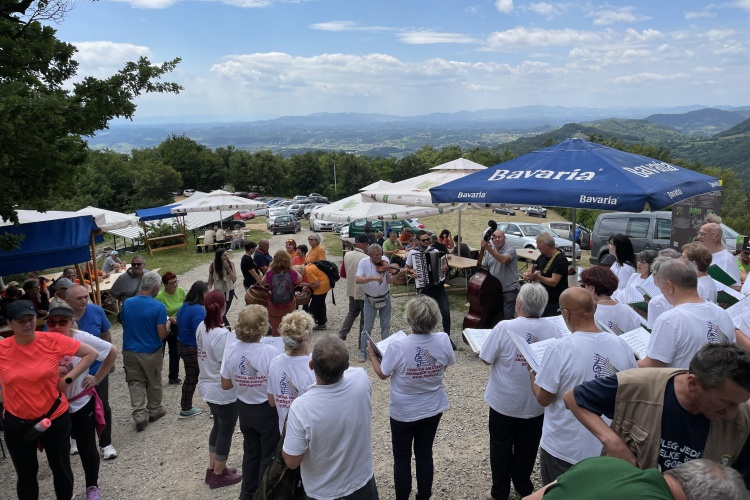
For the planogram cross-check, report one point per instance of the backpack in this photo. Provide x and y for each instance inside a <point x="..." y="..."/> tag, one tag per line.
<point x="332" y="271"/>
<point x="282" y="289"/>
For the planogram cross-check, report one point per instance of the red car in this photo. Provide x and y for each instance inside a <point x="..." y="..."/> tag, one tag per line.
<point x="252" y="195"/>
<point x="244" y="215"/>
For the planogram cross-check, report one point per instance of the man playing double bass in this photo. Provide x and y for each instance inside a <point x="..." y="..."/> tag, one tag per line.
<point x="501" y="261"/>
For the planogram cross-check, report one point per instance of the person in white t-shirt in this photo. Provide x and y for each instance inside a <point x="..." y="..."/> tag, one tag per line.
<point x="710" y="235"/>
<point x="516" y="417"/>
<point x="82" y="397"/>
<point x="643" y="262"/>
<point x="601" y="282"/>
<point x="416" y="365"/>
<point x="624" y="267"/>
<point x="334" y="454"/>
<point x="290" y="374"/>
<point x="211" y="339"/>
<point x="245" y="367"/>
<point x="692" y="323"/>
<point x="698" y="254"/>
<point x="658" y="305"/>
<point x="587" y="354"/>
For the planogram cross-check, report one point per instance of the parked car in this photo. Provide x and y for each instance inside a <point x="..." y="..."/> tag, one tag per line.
<point x="244" y="215"/>
<point x="252" y="195"/>
<point x="415" y="222"/>
<point x="503" y="211"/>
<point x="273" y="213"/>
<point x="309" y="208"/>
<point x="535" y="212"/>
<point x="646" y="230"/>
<point x="285" y="224"/>
<point x="318" y="198"/>
<point x="562" y="228"/>
<point x="273" y="202"/>
<point x="321" y="225"/>
<point x="231" y="223"/>
<point x="260" y="212"/>
<point x="241" y="194"/>
<point x="188" y="192"/>
<point x="523" y="235"/>
<point x="358" y="227"/>
<point x="297" y="209"/>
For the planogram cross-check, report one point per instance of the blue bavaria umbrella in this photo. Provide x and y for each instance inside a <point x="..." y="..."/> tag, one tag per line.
<point x="579" y="174"/>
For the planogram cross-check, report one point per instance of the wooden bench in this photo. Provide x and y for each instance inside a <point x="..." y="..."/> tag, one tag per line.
<point x="180" y="237"/>
<point x="203" y="247"/>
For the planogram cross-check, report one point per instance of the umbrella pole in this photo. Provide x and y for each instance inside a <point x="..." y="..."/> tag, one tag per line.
<point x="573" y="217"/>
<point x="460" y="239"/>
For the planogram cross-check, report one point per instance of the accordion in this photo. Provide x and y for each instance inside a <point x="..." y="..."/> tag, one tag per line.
<point x="429" y="268"/>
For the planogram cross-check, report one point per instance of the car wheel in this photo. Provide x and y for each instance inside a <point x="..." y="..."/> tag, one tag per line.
<point x="275" y="233"/>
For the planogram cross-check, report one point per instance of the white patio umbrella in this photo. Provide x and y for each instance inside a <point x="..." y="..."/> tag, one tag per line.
<point x="219" y="200"/>
<point x="376" y="185"/>
<point x="109" y="220"/>
<point x="355" y="208"/>
<point x="416" y="191"/>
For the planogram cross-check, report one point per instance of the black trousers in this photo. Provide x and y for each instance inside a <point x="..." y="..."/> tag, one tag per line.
<point x="174" y="356"/>
<point x="422" y="434"/>
<point x="83" y="426"/>
<point x="259" y="424"/>
<point x="102" y="389"/>
<point x="513" y="446"/>
<point x="318" y="308"/>
<point x="441" y="297"/>
<point x="56" y="442"/>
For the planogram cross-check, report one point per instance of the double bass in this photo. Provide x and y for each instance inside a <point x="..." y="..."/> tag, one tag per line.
<point x="485" y="293"/>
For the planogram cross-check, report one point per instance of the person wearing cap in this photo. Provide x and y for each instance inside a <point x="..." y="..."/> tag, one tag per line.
<point x="92" y="319"/>
<point x="81" y="394"/>
<point x="354" y="291"/>
<point x="61" y="288"/>
<point x="32" y="391"/>
<point x="111" y="262"/>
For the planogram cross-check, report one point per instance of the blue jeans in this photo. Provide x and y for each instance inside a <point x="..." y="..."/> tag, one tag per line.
<point x="422" y="434"/>
<point x="385" y="321"/>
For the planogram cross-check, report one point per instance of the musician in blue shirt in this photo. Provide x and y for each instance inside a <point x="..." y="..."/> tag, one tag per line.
<point x="434" y="290"/>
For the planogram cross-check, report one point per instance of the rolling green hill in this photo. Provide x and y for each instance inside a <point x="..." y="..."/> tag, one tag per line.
<point x="708" y="121"/>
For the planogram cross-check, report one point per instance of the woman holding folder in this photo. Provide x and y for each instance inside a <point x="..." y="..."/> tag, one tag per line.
<point x="416" y="365"/>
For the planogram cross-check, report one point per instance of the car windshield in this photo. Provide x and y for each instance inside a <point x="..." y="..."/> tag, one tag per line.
<point x="536" y="230"/>
<point x="283" y="218"/>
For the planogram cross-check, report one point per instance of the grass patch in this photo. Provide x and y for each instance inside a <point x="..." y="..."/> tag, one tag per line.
<point x="332" y="244"/>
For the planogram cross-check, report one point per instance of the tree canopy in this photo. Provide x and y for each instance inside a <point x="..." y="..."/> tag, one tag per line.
<point x="43" y="116"/>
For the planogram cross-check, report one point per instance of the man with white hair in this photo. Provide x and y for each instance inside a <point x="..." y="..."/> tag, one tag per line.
<point x="502" y="262"/>
<point x="710" y="235"/>
<point x="144" y="322"/>
<point x="692" y="323"/>
<point x="551" y="270"/>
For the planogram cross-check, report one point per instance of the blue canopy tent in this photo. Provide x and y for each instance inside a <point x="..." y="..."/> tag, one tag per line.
<point x="579" y="174"/>
<point x="157" y="213"/>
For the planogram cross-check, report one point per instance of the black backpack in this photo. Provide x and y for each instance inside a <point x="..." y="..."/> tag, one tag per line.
<point x="282" y="289"/>
<point x="332" y="271"/>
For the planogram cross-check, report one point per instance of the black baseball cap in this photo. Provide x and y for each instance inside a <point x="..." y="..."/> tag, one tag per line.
<point x="361" y="238"/>
<point x="21" y="308"/>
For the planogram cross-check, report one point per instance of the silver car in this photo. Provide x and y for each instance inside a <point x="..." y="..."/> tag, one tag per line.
<point x="523" y="235"/>
<point x="320" y="224"/>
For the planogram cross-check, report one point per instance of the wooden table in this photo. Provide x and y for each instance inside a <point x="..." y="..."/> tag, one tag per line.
<point x="52" y="276"/>
<point x="463" y="264"/>
<point x="106" y="285"/>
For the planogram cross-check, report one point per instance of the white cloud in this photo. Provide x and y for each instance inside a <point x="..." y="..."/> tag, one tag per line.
<point x="103" y="58"/>
<point x="545" y="9"/>
<point x="623" y="14"/>
<point x="650" y="77"/>
<point x="717" y="34"/>
<point x="521" y="38"/>
<point x="505" y="6"/>
<point x="163" y="4"/>
<point x="742" y="4"/>
<point x="149" y="4"/>
<point x="428" y="37"/>
<point x="714" y="69"/>
<point x="699" y="14"/>
<point x="349" y="26"/>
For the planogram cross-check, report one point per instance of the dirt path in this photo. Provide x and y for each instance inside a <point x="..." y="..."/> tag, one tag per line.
<point x="169" y="459"/>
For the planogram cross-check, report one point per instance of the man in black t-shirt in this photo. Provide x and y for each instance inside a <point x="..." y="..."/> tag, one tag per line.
<point x="713" y="390"/>
<point x="551" y="271"/>
<point x="251" y="273"/>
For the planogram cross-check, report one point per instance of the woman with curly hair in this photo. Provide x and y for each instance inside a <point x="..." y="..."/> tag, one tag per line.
<point x="601" y="283"/>
<point x="246" y="366"/>
<point x="280" y="275"/>
<point x="290" y="374"/>
<point x="211" y="339"/>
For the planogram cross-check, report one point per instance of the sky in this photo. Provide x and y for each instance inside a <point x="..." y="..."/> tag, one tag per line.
<point x="257" y="59"/>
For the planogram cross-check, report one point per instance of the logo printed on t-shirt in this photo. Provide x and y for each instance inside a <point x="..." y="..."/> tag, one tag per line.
<point x="602" y="366"/>
<point x="614" y="327"/>
<point x="424" y="358"/>
<point x="530" y="338"/>
<point x="246" y="368"/>
<point x="287" y="386"/>
<point x="715" y="335"/>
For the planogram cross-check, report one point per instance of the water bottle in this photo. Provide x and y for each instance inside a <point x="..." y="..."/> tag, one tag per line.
<point x="36" y="431"/>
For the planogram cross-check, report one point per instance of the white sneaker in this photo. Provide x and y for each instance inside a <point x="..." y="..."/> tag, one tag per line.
<point x="73" y="447"/>
<point x="108" y="452"/>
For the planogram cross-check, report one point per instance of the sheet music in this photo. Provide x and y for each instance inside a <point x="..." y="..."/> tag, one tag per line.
<point x="559" y="323"/>
<point x="721" y="287"/>
<point x="274" y="341"/>
<point x="738" y="310"/>
<point x="532" y="353"/>
<point x="383" y="345"/>
<point x="603" y="327"/>
<point x="638" y="340"/>
<point x="648" y="287"/>
<point x="476" y="337"/>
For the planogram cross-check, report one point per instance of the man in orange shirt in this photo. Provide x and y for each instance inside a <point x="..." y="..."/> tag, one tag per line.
<point x="405" y="235"/>
<point x="317" y="252"/>
<point x="320" y="285"/>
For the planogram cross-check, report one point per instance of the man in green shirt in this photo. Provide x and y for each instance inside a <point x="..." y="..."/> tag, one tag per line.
<point x="391" y="246"/>
<point x="743" y="262"/>
<point x="612" y="478"/>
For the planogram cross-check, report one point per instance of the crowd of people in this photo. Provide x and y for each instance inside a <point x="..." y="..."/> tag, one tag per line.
<point x="682" y="408"/>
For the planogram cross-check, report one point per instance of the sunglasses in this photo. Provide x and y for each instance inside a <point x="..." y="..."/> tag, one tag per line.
<point x="424" y="240"/>
<point x="57" y="322"/>
<point x="138" y="264"/>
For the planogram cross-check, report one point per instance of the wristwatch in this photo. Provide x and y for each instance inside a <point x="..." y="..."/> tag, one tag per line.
<point x="68" y="380"/>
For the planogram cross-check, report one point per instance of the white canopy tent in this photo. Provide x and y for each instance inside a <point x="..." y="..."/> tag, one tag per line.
<point x="219" y="200"/>
<point x="108" y="220"/>
<point x="355" y="208"/>
<point x="376" y="185"/>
